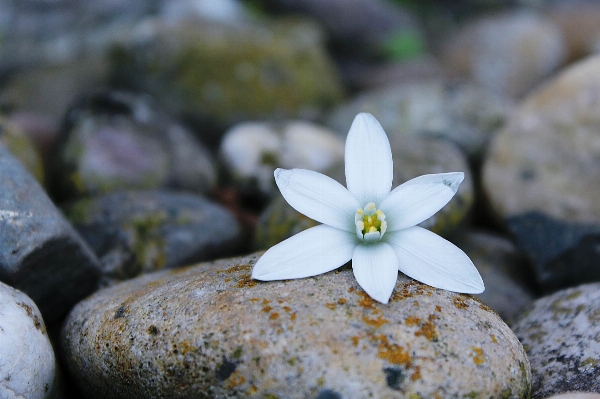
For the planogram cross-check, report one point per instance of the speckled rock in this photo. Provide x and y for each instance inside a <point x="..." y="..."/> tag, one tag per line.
<point x="28" y="368"/>
<point x="227" y="73"/>
<point x="561" y="334"/>
<point x="135" y="232"/>
<point x="40" y="253"/>
<point x="413" y="156"/>
<point x="541" y="177"/>
<point x="209" y="331"/>
<point x="461" y="112"/>
<point x="252" y="150"/>
<point x="117" y="140"/>
<point x="504" y="268"/>
<point x="508" y="53"/>
<point x="22" y="147"/>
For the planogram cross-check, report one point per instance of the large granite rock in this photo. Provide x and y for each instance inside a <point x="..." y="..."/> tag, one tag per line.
<point x="561" y="334"/>
<point x="210" y="331"/>
<point x="541" y="177"/>
<point x="28" y="368"/>
<point x="117" y="140"/>
<point x="40" y="253"/>
<point x="135" y="232"/>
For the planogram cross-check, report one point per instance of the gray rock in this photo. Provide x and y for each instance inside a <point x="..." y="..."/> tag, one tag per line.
<point x="413" y="157"/>
<point x="251" y="151"/>
<point x="561" y="334"/>
<point x="225" y="74"/>
<point x="508" y="53"/>
<point x="212" y="331"/>
<point x="116" y="140"/>
<point x="505" y="270"/>
<point x="135" y="232"/>
<point x="28" y="368"/>
<point x="541" y="177"/>
<point x="40" y="253"/>
<point x="461" y="112"/>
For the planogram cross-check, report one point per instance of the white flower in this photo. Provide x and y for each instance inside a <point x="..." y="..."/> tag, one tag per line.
<point x="369" y="223"/>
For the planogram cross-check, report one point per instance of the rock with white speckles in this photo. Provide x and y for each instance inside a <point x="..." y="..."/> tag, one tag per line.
<point x="28" y="368"/>
<point x="209" y="331"/>
<point x="576" y="395"/>
<point x="561" y="334"/>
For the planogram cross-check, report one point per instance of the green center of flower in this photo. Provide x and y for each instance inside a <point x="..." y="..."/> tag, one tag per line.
<point x="370" y="223"/>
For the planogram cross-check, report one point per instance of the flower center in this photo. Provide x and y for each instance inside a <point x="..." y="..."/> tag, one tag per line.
<point x="370" y="223"/>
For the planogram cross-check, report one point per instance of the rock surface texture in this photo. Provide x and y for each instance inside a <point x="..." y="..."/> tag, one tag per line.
<point x="210" y="331"/>
<point x="541" y="177"/>
<point x="40" y="253"/>
<point x="28" y="368"/>
<point x="561" y="334"/>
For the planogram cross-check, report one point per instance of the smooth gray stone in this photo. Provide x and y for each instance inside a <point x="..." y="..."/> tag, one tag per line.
<point x="40" y="252"/>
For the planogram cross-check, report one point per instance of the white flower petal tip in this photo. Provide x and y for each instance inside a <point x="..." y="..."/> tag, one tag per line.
<point x="376" y="270"/>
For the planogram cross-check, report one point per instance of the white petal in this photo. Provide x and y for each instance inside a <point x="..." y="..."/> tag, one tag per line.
<point x="376" y="270"/>
<point x="432" y="260"/>
<point x="308" y="253"/>
<point x="319" y="197"/>
<point x="369" y="168"/>
<point x="419" y="199"/>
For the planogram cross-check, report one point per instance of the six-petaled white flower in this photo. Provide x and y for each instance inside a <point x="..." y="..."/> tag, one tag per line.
<point x="369" y="223"/>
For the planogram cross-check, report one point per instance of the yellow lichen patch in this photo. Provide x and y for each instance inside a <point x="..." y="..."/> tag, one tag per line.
<point x="479" y="356"/>
<point x="287" y="309"/>
<point x="236" y="269"/>
<point x="293" y="316"/>
<point x="267" y="308"/>
<point x="365" y="301"/>
<point x="460" y="302"/>
<point x="412" y="321"/>
<point x="330" y="305"/>
<point x="274" y="316"/>
<point x="412" y="289"/>
<point x="246" y="282"/>
<point x="427" y="330"/>
<point x="393" y="353"/>
<point x="254" y="300"/>
<point x="235" y="380"/>
<point x="185" y="348"/>
<point x="342" y="301"/>
<point x="355" y="340"/>
<point x="378" y="322"/>
<point x="416" y="375"/>
<point x="438" y="308"/>
<point x="493" y="337"/>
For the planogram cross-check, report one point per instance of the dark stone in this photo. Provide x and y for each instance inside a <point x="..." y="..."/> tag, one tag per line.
<point x="116" y="140"/>
<point x="328" y="394"/>
<point x="40" y="253"/>
<point x="393" y="377"/>
<point x="141" y="231"/>
<point x="225" y="370"/>
<point x="564" y="253"/>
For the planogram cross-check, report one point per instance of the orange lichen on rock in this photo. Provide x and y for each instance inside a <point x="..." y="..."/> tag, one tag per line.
<point x="378" y="322"/>
<point x="479" y="356"/>
<point x="493" y="337"/>
<point x="274" y="316"/>
<point x="427" y="330"/>
<point x="267" y="308"/>
<point x="416" y="375"/>
<point x="330" y="305"/>
<point x="365" y="301"/>
<point x="235" y="380"/>
<point x="246" y="282"/>
<point x="355" y="339"/>
<point x="287" y="309"/>
<point x="293" y="316"/>
<point x="411" y="289"/>
<point x="460" y="302"/>
<point x="412" y="321"/>
<point x="393" y="353"/>
<point x="342" y="301"/>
